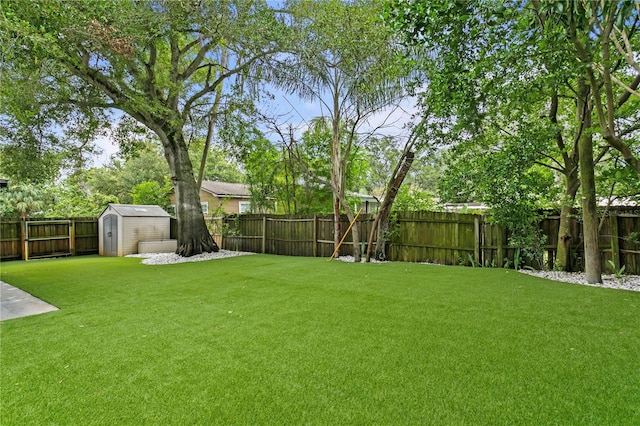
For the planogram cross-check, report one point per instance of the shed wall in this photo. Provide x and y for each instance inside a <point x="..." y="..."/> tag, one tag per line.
<point x="100" y="237"/>
<point x="134" y="229"/>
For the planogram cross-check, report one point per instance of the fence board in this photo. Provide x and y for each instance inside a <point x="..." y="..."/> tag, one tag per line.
<point x="48" y="237"/>
<point x="437" y="237"/>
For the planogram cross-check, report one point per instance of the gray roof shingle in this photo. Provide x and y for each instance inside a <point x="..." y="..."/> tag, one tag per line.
<point x="226" y="189"/>
<point x="137" y="210"/>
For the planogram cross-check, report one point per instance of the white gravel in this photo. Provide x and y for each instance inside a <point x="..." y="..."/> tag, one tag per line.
<point x="352" y="259"/>
<point x="625" y="282"/>
<point x="171" y="258"/>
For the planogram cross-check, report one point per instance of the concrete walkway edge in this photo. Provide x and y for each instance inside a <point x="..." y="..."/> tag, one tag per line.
<point x="16" y="303"/>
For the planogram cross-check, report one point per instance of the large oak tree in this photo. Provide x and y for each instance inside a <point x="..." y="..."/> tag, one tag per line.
<point x="162" y="63"/>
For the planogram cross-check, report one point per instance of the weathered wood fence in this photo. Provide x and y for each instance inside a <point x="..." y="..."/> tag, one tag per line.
<point x="445" y="238"/>
<point x="37" y="238"/>
<point x="290" y="235"/>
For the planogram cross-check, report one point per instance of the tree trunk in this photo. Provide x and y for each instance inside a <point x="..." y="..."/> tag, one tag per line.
<point x="381" y="224"/>
<point x="563" y="251"/>
<point x="337" y="184"/>
<point x="336" y="224"/>
<point x="382" y="232"/>
<point x="193" y="235"/>
<point x="355" y="231"/>
<point x="593" y="268"/>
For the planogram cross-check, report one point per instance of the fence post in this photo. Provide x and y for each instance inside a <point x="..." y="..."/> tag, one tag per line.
<point x="24" y="240"/>
<point x="315" y="235"/>
<point x="264" y="233"/>
<point x="500" y="250"/>
<point x="615" y="245"/>
<point x="72" y="237"/>
<point x="476" y="247"/>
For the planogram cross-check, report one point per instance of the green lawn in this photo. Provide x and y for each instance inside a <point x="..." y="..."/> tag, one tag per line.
<point x="283" y="340"/>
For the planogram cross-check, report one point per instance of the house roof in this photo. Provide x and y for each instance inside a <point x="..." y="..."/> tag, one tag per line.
<point x="136" y="210"/>
<point x="363" y="197"/>
<point x="226" y="189"/>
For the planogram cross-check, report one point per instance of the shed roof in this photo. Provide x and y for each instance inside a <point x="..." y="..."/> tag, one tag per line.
<point x="226" y="189"/>
<point x="137" y="210"/>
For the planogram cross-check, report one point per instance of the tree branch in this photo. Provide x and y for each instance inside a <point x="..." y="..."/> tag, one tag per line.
<point x="211" y="87"/>
<point x="195" y="63"/>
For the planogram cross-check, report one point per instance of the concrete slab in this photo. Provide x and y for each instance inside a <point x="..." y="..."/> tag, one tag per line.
<point x="16" y="303"/>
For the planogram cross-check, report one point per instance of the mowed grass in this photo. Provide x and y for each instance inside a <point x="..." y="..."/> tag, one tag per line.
<point x="283" y="340"/>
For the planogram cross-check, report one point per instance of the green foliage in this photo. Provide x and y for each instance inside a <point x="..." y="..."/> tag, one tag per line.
<point x="119" y="177"/>
<point x="152" y="193"/>
<point x="634" y="237"/>
<point x="507" y="182"/>
<point x="618" y="272"/>
<point x="72" y="200"/>
<point x="28" y="163"/>
<point x="616" y="179"/>
<point x="41" y="135"/>
<point x="66" y="199"/>
<point x="220" y="165"/>
<point x="411" y="198"/>
<point x="23" y="200"/>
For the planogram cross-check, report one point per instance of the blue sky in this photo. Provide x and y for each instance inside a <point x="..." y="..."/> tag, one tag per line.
<point x="296" y="112"/>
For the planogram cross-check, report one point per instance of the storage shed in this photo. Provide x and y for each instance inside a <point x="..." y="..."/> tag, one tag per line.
<point x="121" y="227"/>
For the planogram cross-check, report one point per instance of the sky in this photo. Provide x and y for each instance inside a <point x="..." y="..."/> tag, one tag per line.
<point x="298" y="113"/>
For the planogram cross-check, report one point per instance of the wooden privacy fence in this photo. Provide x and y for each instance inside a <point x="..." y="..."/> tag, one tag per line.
<point x="619" y="240"/>
<point x="214" y="225"/>
<point x="445" y="238"/>
<point x="290" y="235"/>
<point x="37" y="238"/>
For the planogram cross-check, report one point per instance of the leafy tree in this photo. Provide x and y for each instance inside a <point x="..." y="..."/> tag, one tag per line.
<point x="160" y="62"/>
<point x="152" y="193"/>
<point x="70" y="199"/>
<point x="346" y="61"/>
<point x="604" y="37"/>
<point x="219" y="165"/>
<point x="24" y="200"/>
<point x="27" y="163"/>
<point x="120" y="176"/>
<point x="41" y="135"/>
<point x="288" y="174"/>
<point x="499" y="63"/>
<point x="476" y="97"/>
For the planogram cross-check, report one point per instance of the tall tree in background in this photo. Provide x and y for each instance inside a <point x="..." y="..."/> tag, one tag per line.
<point x="391" y="190"/>
<point x="500" y="60"/>
<point x="346" y="61"/>
<point x="160" y="62"/>
<point x="483" y="92"/>
<point x="604" y="37"/>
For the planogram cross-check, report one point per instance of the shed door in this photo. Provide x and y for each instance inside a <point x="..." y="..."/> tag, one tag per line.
<point x="110" y="237"/>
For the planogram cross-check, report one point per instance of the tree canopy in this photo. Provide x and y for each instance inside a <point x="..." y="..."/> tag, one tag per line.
<point x="163" y="63"/>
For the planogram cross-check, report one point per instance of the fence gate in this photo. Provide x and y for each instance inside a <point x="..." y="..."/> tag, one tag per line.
<point x="47" y="238"/>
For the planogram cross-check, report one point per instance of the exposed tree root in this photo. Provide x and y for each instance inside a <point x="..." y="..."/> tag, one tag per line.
<point x="194" y="246"/>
